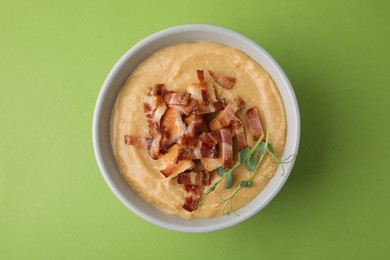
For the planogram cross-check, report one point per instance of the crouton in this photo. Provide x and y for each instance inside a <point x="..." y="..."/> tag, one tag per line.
<point x="173" y="124"/>
<point x="194" y="90"/>
<point x="211" y="164"/>
<point x="169" y="168"/>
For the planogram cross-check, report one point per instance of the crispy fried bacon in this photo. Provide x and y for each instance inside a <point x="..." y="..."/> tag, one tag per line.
<point x="202" y="86"/>
<point x="196" y="152"/>
<point x="238" y="129"/>
<point x="224" y="81"/>
<point x="177" y="98"/>
<point x="211" y="138"/>
<point x="139" y="142"/>
<point x="181" y="134"/>
<point x="159" y="136"/>
<point x="194" y="178"/>
<point x="153" y="112"/>
<point x="191" y="201"/>
<point x="154" y="151"/>
<point x="148" y="113"/>
<point x="186" y="109"/>
<point x="211" y="107"/>
<point x="194" y="183"/>
<point x="225" y="116"/>
<point x="157" y="92"/>
<point x="154" y="129"/>
<point x="160" y="139"/>
<point x="227" y="148"/>
<point x="158" y="114"/>
<point x="195" y="127"/>
<point x="164" y="141"/>
<point x="254" y="123"/>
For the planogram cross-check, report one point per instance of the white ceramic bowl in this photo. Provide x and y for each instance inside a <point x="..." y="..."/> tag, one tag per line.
<point x="107" y="98"/>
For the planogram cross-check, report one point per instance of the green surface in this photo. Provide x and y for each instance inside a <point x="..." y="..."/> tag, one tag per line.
<point x="54" y="57"/>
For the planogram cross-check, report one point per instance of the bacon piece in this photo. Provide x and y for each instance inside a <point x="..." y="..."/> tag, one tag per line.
<point x="158" y="114"/>
<point x="139" y="142"/>
<point x="188" y="153"/>
<point x="211" y="138"/>
<point x="188" y="121"/>
<point x="164" y="141"/>
<point x="159" y="136"/>
<point x="154" y="151"/>
<point x="225" y="116"/>
<point x="148" y="113"/>
<point x="194" y="178"/>
<point x="254" y="123"/>
<point x="193" y="142"/>
<point x="238" y="130"/>
<point x="177" y="98"/>
<point x="194" y="153"/>
<point x="153" y="116"/>
<point x="227" y="148"/>
<point x="194" y="183"/>
<point x="195" y="127"/>
<point x="157" y="92"/>
<point x="154" y="112"/>
<point x="186" y="109"/>
<point x="211" y="107"/>
<point x="192" y="199"/>
<point x="202" y="86"/>
<point x="153" y="119"/>
<point x="154" y="129"/>
<point x="158" y="132"/>
<point x="224" y="81"/>
<point x="206" y="138"/>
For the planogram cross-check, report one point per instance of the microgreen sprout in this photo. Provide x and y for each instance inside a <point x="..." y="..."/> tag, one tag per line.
<point x="251" y="158"/>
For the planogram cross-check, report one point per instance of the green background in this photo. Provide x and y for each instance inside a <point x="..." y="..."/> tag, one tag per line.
<point x="54" y="57"/>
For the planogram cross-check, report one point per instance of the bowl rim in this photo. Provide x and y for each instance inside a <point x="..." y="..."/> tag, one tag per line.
<point x="98" y="110"/>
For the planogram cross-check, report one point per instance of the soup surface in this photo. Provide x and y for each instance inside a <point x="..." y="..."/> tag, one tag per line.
<point x="175" y="67"/>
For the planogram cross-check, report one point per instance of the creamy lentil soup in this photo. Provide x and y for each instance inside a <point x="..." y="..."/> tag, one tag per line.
<point x="175" y="67"/>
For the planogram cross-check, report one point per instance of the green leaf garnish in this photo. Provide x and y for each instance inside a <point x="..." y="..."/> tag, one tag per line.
<point x="271" y="149"/>
<point x="261" y="149"/>
<point x="243" y="154"/>
<point x="212" y="188"/>
<point x="221" y="171"/>
<point x="250" y="163"/>
<point x="229" y="181"/>
<point x="247" y="183"/>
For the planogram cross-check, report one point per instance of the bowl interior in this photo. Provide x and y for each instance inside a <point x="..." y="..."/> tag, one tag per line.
<point x="115" y="81"/>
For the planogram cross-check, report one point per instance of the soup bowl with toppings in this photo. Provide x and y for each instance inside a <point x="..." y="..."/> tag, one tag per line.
<point x="196" y="128"/>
